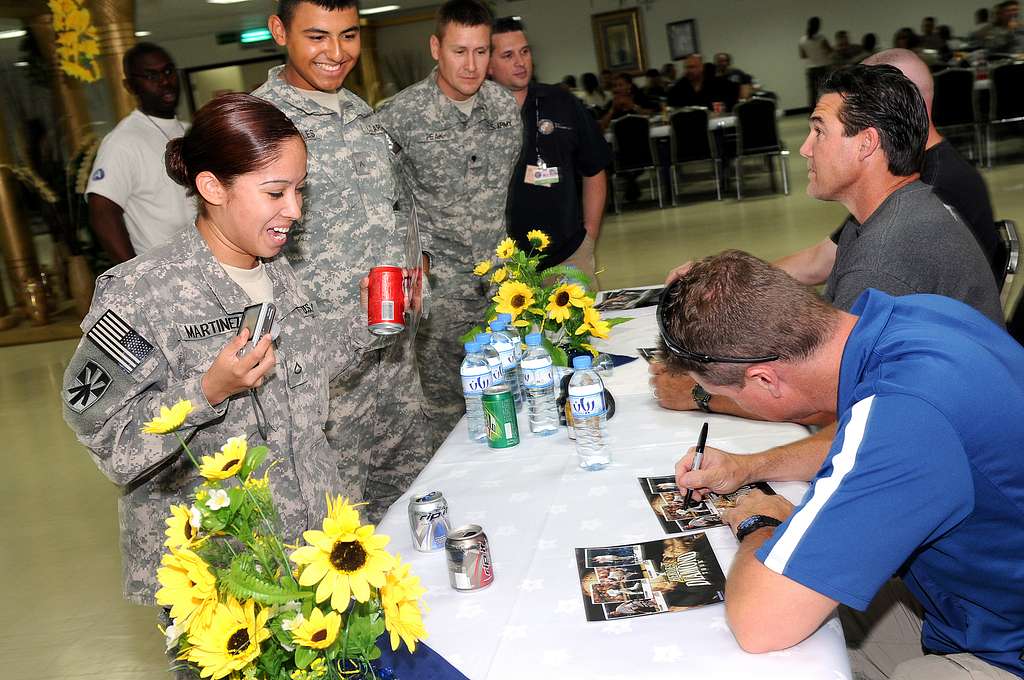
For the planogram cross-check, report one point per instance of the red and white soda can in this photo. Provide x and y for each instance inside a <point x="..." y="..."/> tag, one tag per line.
<point x="386" y="310"/>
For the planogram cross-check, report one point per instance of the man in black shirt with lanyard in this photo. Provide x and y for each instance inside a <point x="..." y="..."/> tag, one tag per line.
<point x="559" y="185"/>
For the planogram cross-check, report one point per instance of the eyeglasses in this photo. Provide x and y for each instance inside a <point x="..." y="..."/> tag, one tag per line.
<point x="675" y="348"/>
<point x="156" y="76"/>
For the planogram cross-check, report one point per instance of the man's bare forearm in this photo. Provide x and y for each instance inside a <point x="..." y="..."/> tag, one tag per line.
<point x="595" y="194"/>
<point x="107" y="220"/>
<point x="810" y="266"/>
<point x="796" y="461"/>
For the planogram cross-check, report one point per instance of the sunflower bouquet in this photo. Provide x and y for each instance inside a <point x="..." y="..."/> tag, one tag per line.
<point x="244" y="605"/>
<point x="555" y="302"/>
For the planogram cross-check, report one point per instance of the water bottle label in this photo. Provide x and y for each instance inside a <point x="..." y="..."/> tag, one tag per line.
<point x="475" y="380"/>
<point x="506" y="352"/>
<point x="497" y="375"/>
<point x="537" y="373"/>
<point x="586" y="401"/>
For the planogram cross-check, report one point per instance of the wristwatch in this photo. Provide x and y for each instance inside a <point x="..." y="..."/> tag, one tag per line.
<point x="701" y="397"/>
<point x="753" y="523"/>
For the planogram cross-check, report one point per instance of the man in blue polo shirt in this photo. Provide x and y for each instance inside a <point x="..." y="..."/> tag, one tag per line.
<point x="921" y="481"/>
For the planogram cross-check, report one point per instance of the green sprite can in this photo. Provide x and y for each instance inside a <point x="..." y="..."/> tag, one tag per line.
<point x="500" y="416"/>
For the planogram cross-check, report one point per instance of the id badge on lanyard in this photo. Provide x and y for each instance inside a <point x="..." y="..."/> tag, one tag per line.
<point x="540" y="174"/>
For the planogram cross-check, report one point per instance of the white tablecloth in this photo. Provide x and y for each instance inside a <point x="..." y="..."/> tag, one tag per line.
<point x="661" y="130"/>
<point x="536" y="506"/>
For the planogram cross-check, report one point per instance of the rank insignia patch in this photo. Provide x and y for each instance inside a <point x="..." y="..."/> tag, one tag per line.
<point x="87" y="388"/>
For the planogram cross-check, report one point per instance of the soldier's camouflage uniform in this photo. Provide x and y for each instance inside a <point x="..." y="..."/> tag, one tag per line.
<point x="156" y="325"/>
<point x="457" y="169"/>
<point x="375" y="422"/>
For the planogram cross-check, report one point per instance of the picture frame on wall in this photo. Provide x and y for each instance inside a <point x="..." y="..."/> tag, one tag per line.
<point x="619" y="41"/>
<point x="682" y="38"/>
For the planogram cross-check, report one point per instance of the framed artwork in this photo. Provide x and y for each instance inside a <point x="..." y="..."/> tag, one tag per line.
<point x="619" y="41"/>
<point x="682" y="38"/>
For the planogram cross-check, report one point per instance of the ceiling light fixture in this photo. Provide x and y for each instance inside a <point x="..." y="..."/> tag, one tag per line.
<point x="224" y="2"/>
<point x="5" y="35"/>
<point x="379" y="10"/>
<point x="143" y="34"/>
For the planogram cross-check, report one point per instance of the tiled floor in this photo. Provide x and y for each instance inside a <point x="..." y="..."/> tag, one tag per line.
<point x="63" y="617"/>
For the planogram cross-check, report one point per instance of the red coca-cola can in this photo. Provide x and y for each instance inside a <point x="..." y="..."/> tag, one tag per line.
<point x="719" y="107"/>
<point x="386" y="310"/>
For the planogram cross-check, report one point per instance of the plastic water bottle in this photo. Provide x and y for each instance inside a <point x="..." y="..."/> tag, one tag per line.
<point x="505" y="346"/>
<point x="513" y="333"/>
<point x="586" y="399"/>
<point x="476" y="377"/>
<point x="539" y="385"/>
<point x="493" y="360"/>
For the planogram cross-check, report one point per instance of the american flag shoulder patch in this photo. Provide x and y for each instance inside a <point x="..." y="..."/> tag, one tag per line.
<point x="119" y="341"/>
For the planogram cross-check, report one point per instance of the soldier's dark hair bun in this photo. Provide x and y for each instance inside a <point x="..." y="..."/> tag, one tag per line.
<point x="174" y="163"/>
<point x="232" y="135"/>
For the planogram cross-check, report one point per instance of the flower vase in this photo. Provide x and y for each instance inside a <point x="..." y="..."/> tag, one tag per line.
<point x="81" y="283"/>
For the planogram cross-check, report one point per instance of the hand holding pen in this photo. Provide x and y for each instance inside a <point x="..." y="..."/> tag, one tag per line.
<point x="698" y="457"/>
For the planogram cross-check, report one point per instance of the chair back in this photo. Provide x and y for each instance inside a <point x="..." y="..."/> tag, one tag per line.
<point x="631" y="143"/>
<point x="953" y="103"/>
<point x="756" y="128"/>
<point x="1007" y="255"/>
<point x="1007" y="91"/>
<point x="689" y="135"/>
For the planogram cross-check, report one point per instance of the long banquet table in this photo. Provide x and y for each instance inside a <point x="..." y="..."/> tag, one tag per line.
<point x="536" y="506"/>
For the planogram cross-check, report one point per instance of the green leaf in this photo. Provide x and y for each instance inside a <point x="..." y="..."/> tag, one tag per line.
<point x="471" y="335"/>
<point x="242" y="581"/>
<point x="569" y="272"/>
<point x="304" y="656"/>
<point x="612" y="323"/>
<point x="558" y="355"/>
<point x="253" y="458"/>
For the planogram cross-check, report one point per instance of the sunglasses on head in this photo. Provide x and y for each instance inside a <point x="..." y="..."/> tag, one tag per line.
<point x="664" y="306"/>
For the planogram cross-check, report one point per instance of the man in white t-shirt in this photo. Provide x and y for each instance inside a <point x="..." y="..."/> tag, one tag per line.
<point x="133" y="204"/>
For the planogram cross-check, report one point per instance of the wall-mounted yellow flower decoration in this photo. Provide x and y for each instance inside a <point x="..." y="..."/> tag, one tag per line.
<point x="318" y="631"/>
<point x="482" y="268"/>
<point x="77" y="44"/>
<point x="538" y="239"/>
<point x="506" y="249"/>
<point x="512" y="298"/>
<point x="170" y="419"/>
<point x="227" y="462"/>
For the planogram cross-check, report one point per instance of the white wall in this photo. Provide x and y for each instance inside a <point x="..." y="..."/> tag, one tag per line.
<point x="761" y="36"/>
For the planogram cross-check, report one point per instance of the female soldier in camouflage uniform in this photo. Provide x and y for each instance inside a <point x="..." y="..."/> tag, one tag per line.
<point x="162" y="329"/>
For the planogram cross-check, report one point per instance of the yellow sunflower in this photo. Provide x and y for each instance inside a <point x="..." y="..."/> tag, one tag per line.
<point x="189" y="589"/>
<point x="318" y="631"/>
<point x="593" y="324"/>
<point x="180" y="531"/>
<point x="482" y="268"/>
<point x="512" y="298"/>
<point x="170" y="419"/>
<point x="538" y="239"/>
<point x="231" y="642"/>
<point x="227" y="462"/>
<point x="345" y="559"/>
<point x="563" y="299"/>
<point x="506" y="249"/>
<point x="399" y="600"/>
<point x="590" y="348"/>
<point x="499" y="275"/>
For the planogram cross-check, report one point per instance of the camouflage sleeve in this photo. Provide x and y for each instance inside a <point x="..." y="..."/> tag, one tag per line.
<point x="118" y="379"/>
<point x="390" y="117"/>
